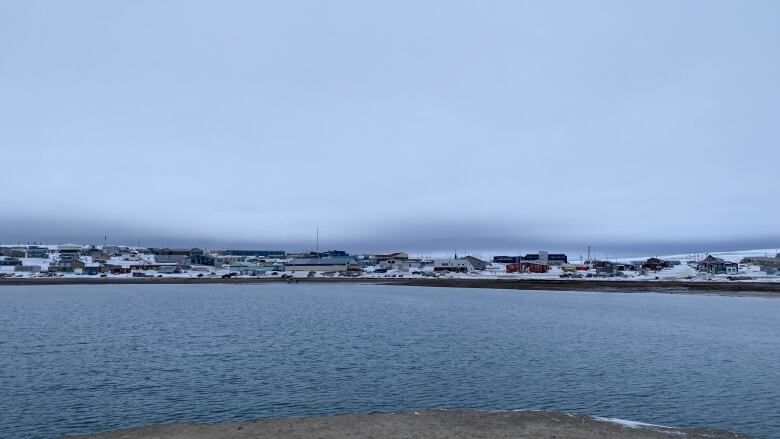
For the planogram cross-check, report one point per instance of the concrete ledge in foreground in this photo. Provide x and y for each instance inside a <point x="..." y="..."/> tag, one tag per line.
<point x="423" y="424"/>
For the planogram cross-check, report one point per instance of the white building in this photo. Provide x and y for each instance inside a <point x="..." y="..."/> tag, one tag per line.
<point x="458" y="265"/>
<point x="401" y="264"/>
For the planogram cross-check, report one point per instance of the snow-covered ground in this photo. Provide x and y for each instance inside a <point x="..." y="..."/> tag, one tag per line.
<point x="733" y="256"/>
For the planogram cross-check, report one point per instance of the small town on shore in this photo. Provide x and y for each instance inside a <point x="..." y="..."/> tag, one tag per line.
<point x="116" y="261"/>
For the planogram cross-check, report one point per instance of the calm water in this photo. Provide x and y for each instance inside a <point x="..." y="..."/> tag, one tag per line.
<point x="82" y="359"/>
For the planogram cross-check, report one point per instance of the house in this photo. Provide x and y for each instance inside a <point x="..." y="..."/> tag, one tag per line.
<point x="168" y="268"/>
<point x="527" y="267"/>
<point x="478" y="264"/>
<point x="130" y="256"/>
<point x="116" y="269"/>
<point x="606" y="267"/>
<point x="401" y="264"/>
<point x="628" y="266"/>
<point x="181" y="256"/>
<point x="507" y="259"/>
<point x="67" y="266"/>
<point x="114" y="250"/>
<point x="144" y="266"/>
<point x="246" y="269"/>
<point x="91" y="269"/>
<point x="69" y="254"/>
<point x="655" y="264"/>
<point x="61" y="266"/>
<point x="714" y="265"/>
<point x="460" y="265"/>
<point x="28" y="268"/>
<point x="764" y="261"/>
<point x="13" y="252"/>
<point x="37" y="252"/>
<point x="10" y="262"/>
<point x="96" y="254"/>
<point x="610" y="267"/>
<point x="266" y="254"/>
<point x="365" y="260"/>
<point x="337" y="263"/>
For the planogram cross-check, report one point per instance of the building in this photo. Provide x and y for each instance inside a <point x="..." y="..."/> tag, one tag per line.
<point x="91" y="269"/>
<point x="247" y="269"/>
<point x="454" y="265"/>
<point x="401" y="264"/>
<point x="266" y="254"/>
<point x="542" y="257"/>
<point x="764" y="261"/>
<point x="204" y="259"/>
<point x="60" y="266"/>
<point x="168" y="268"/>
<point x="116" y="269"/>
<point x="145" y="266"/>
<point x="476" y="263"/>
<point x="114" y="250"/>
<point x="28" y="268"/>
<point x="365" y="260"/>
<point x="13" y="252"/>
<point x="180" y="256"/>
<point x="325" y="254"/>
<point x="69" y="254"/>
<point x="610" y="267"/>
<point x="714" y="265"/>
<point x="332" y="264"/>
<point x="527" y="267"/>
<point x="10" y="262"/>
<point x="655" y="264"/>
<point x="96" y="254"/>
<point x="386" y="257"/>
<point x="37" y="252"/>
<point x="547" y="258"/>
<point x="507" y="259"/>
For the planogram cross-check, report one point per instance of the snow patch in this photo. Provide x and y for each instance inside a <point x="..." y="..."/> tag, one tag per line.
<point x="629" y="424"/>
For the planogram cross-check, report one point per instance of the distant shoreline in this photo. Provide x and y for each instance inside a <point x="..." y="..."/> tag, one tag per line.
<point x="737" y="288"/>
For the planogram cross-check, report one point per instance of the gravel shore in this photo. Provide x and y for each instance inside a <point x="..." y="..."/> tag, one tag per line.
<point x="423" y="424"/>
<point x="723" y="288"/>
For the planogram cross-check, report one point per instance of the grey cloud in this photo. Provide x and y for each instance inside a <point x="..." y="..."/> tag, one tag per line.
<point x="426" y="125"/>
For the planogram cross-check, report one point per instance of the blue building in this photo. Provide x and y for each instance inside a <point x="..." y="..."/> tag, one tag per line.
<point x="507" y="259"/>
<point x="542" y="257"/>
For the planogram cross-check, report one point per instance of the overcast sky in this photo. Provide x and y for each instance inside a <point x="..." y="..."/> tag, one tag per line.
<point x="641" y="126"/>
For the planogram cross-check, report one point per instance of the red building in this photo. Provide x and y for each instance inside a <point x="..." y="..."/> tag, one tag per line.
<point x="532" y="267"/>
